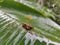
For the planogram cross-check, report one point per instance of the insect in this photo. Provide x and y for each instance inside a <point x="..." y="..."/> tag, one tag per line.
<point x="29" y="17"/>
<point x="27" y="26"/>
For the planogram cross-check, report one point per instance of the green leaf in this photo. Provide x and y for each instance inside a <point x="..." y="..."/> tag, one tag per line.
<point x="14" y="14"/>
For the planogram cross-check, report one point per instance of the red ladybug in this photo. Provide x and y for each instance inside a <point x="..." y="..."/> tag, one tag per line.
<point x="27" y="26"/>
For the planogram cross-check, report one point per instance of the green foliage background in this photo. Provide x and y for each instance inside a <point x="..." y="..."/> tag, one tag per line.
<point x="13" y="15"/>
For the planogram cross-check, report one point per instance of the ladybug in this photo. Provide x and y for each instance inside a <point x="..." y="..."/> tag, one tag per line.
<point x="27" y="26"/>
